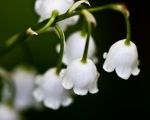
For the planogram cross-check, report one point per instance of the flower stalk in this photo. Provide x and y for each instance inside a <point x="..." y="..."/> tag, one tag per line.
<point x="44" y="25"/>
<point x="84" y="58"/>
<point x="62" y="43"/>
<point x="120" y="8"/>
<point x="128" y="27"/>
<point x="49" y="23"/>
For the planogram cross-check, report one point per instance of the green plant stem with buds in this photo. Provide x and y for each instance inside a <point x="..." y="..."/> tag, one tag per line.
<point x="43" y="26"/>
<point x="21" y="37"/>
<point x="49" y="23"/>
<point x="62" y="42"/>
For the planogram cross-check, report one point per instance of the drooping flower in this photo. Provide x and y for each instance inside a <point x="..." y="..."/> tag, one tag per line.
<point x="123" y="59"/>
<point x="82" y="77"/>
<point x="75" y="47"/>
<point x="7" y="113"/>
<point x="24" y="84"/>
<point x="68" y="22"/>
<point x="50" y="90"/>
<point x="44" y="9"/>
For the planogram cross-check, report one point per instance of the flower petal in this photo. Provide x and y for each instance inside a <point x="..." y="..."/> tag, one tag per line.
<point x="52" y="103"/>
<point x="74" y="51"/>
<point x="79" y="91"/>
<point x="38" y="95"/>
<point x="135" y="71"/>
<point x="123" y="72"/>
<point x="95" y="60"/>
<point x="105" y="55"/>
<point x="62" y="73"/>
<point x="38" y="79"/>
<point x="8" y="113"/>
<point x="93" y="87"/>
<point x="67" y="84"/>
<point x="108" y="67"/>
<point x="68" y="22"/>
<point x="67" y="101"/>
<point x="38" y="4"/>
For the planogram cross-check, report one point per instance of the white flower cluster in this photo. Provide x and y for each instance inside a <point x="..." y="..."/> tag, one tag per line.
<point x="52" y="88"/>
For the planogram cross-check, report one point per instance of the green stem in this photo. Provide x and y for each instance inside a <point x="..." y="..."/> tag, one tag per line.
<point x="85" y="54"/>
<point x="43" y="26"/>
<point x="12" y="42"/>
<point x="49" y="23"/>
<point x="100" y="8"/>
<point x="128" y="27"/>
<point x="21" y="37"/>
<point x="120" y="8"/>
<point x="62" y="41"/>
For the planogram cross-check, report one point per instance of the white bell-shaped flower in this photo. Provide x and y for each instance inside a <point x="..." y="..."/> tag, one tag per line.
<point x="123" y="59"/>
<point x="68" y="22"/>
<point x="44" y="9"/>
<point x="7" y="113"/>
<point x="82" y="77"/>
<point x="75" y="47"/>
<point x="24" y="84"/>
<point x="50" y="90"/>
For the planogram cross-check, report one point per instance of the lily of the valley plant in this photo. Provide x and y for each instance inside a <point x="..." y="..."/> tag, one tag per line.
<point x="24" y="88"/>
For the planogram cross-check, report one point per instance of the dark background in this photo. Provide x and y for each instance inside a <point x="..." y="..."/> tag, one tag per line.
<point x="117" y="98"/>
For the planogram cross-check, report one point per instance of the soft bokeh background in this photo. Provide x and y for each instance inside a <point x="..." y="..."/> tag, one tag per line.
<point x="117" y="98"/>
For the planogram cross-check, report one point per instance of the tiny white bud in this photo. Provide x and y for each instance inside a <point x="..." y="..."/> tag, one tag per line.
<point x="31" y="32"/>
